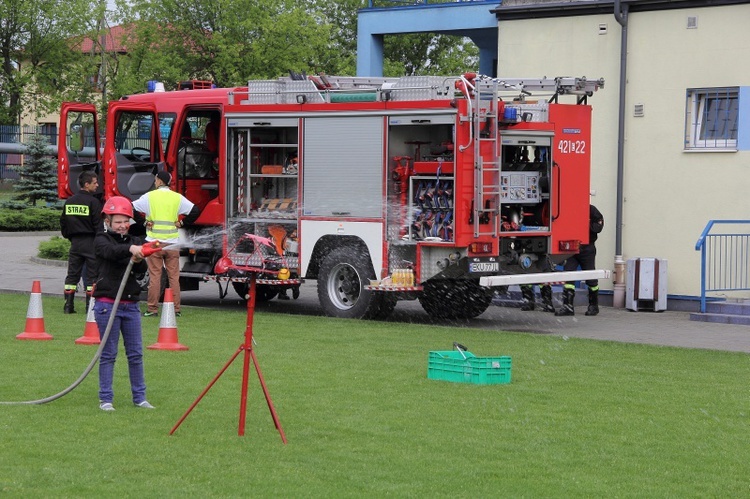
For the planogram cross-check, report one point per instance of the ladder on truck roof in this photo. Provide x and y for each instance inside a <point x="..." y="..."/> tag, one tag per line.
<point x="327" y="89"/>
<point x="561" y="85"/>
<point x="339" y="89"/>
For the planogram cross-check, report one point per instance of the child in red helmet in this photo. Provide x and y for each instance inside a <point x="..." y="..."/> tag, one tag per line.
<point x="114" y="248"/>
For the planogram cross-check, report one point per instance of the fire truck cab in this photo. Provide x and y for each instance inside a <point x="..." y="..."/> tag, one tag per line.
<point x="382" y="189"/>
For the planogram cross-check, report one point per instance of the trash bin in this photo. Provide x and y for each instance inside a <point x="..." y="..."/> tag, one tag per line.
<point x="646" y="288"/>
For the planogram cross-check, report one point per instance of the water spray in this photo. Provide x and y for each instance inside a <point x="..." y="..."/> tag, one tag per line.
<point x="148" y="249"/>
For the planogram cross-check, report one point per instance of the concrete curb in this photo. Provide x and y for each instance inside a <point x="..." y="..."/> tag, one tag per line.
<point x="53" y="263"/>
<point x="26" y="234"/>
<point x="35" y="259"/>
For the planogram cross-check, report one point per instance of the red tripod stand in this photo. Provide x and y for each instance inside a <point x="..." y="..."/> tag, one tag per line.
<point x="247" y="347"/>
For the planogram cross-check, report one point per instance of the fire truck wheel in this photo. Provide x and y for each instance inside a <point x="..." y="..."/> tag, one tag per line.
<point x="262" y="292"/>
<point x="478" y="299"/>
<point x="454" y="299"/>
<point x="341" y="280"/>
<point x="387" y="305"/>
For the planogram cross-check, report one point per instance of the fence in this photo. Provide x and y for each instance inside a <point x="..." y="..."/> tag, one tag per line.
<point x="725" y="260"/>
<point x="14" y="134"/>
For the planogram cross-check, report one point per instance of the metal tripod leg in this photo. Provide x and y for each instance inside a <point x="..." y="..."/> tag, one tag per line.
<point x="247" y="347"/>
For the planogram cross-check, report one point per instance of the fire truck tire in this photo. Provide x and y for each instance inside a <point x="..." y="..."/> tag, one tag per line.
<point x="387" y="304"/>
<point x="341" y="280"/>
<point x="454" y="299"/>
<point x="262" y="292"/>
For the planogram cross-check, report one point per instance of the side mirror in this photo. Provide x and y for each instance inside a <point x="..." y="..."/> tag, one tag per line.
<point x="76" y="137"/>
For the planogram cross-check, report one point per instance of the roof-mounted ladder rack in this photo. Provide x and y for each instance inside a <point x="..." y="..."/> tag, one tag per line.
<point x="561" y="85"/>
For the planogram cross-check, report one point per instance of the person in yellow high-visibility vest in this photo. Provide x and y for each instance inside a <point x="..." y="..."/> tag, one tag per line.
<point x="163" y="208"/>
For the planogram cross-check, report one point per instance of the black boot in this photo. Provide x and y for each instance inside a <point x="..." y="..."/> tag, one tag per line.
<point x="593" y="302"/>
<point x="88" y="300"/>
<point x="527" y="294"/>
<point x="69" y="307"/>
<point x="547" y="305"/>
<point x="569" y="295"/>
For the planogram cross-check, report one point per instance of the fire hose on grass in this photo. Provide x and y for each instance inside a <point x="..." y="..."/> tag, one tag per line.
<point x="148" y="249"/>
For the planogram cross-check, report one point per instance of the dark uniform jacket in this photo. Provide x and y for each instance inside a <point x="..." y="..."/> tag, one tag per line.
<point x="596" y="223"/>
<point x="81" y="216"/>
<point x="113" y="255"/>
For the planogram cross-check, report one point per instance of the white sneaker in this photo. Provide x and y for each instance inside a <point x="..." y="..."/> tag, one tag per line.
<point x="144" y="405"/>
<point x="106" y="406"/>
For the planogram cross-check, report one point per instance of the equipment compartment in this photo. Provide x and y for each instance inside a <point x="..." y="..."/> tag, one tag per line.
<point x="431" y="212"/>
<point x="265" y="177"/>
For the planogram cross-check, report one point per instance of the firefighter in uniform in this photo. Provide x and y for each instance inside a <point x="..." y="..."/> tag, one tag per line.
<point x="80" y="222"/>
<point x="529" y="301"/>
<point x="586" y="260"/>
<point x="162" y="208"/>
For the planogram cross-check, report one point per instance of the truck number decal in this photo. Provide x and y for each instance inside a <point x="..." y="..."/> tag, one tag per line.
<point x="572" y="146"/>
<point x="484" y="267"/>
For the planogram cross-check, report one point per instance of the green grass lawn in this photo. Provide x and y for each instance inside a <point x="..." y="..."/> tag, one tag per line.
<point x="580" y="418"/>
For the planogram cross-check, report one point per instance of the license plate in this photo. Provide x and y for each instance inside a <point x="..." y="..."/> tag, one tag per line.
<point x="484" y="267"/>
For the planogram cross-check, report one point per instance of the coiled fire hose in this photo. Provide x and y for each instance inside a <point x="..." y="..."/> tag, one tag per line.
<point x="148" y="249"/>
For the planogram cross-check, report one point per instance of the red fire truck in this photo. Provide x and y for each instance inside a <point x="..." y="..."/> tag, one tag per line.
<point x="381" y="189"/>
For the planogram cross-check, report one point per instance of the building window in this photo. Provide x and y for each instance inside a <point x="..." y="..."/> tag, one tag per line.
<point x="711" y="118"/>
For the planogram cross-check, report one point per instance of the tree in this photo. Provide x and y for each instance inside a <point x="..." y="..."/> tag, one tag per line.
<point x="37" y="60"/>
<point x="429" y="54"/>
<point x="226" y="41"/>
<point x="232" y="41"/>
<point x="406" y="54"/>
<point x="38" y="176"/>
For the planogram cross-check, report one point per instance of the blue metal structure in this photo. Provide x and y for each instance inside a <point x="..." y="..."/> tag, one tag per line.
<point x="471" y="18"/>
<point x="725" y="260"/>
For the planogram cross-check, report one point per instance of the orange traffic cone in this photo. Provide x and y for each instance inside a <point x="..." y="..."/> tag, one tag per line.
<point x="167" y="338"/>
<point x="91" y="332"/>
<point x="35" y="316"/>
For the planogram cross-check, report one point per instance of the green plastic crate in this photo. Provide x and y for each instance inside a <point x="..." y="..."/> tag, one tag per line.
<point x="451" y="365"/>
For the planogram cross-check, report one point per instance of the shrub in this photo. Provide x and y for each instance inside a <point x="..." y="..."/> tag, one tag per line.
<point x="29" y="219"/>
<point x="56" y="248"/>
<point x="38" y="179"/>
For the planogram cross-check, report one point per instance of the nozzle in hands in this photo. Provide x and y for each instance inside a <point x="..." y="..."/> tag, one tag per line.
<point x="150" y="248"/>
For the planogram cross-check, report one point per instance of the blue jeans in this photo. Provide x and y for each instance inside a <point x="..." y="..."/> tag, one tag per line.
<point x="128" y="323"/>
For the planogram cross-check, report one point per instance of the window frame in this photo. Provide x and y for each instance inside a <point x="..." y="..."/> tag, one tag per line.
<point x="695" y="119"/>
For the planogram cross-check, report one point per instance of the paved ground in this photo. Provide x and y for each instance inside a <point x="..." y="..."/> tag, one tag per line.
<point x="19" y="268"/>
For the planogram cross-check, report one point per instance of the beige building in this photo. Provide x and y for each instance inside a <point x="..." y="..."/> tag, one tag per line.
<point x="686" y="135"/>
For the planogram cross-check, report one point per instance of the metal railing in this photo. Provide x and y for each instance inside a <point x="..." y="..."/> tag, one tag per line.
<point x="15" y="133"/>
<point x="725" y="260"/>
<point x="12" y="139"/>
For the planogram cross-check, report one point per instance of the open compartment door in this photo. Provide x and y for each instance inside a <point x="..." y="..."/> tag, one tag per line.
<point x="571" y="176"/>
<point x="77" y="147"/>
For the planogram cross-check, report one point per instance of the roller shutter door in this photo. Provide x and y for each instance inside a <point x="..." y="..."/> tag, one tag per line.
<point x="343" y="162"/>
